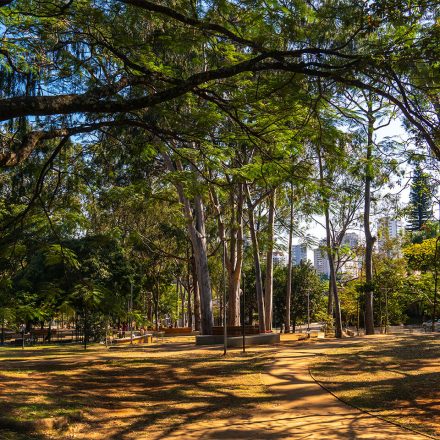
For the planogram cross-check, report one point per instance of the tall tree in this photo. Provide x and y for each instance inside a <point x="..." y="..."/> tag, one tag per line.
<point x="420" y="200"/>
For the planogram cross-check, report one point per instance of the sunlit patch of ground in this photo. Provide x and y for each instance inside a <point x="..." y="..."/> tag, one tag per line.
<point x="140" y="393"/>
<point x="397" y="378"/>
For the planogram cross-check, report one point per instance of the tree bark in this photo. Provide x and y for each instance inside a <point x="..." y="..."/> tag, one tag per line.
<point x="2" y="340"/>
<point x="369" y="239"/>
<point x="289" y="268"/>
<point x="257" y="265"/>
<point x="234" y="252"/>
<point x="196" y="295"/>
<point x="436" y="264"/>
<point x="333" y="289"/>
<point x="196" y="230"/>
<point x="268" y="290"/>
<point x="189" y="304"/>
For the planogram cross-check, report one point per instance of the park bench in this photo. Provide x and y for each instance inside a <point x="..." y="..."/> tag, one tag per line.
<point x="142" y="339"/>
<point x="236" y="330"/>
<point x="316" y="334"/>
<point x="177" y="331"/>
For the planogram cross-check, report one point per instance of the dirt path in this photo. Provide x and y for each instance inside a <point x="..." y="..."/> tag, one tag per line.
<point x="304" y="410"/>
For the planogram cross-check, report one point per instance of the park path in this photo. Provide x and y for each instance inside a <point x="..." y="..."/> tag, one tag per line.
<point x="303" y="411"/>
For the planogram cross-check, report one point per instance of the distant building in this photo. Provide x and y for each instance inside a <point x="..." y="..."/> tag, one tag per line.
<point x="320" y="261"/>
<point x="299" y="253"/>
<point x="351" y="239"/>
<point x="349" y="267"/>
<point x="388" y="228"/>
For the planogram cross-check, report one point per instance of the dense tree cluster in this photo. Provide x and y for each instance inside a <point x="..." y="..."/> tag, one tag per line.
<point x="164" y="148"/>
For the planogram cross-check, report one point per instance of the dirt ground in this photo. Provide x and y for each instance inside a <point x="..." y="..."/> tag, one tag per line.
<point x="177" y="390"/>
<point x="395" y="377"/>
<point x="69" y="393"/>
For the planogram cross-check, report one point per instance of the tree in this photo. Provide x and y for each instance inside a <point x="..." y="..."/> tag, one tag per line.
<point x="420" y="199"/>
<point x="306" y="285"/>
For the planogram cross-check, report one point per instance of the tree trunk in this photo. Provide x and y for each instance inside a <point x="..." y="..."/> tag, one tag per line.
<point x="183" y="301"/>
<point x="85" y="329"/>
<point x="333" y="289"/>
<point x="2" y="341"/>
<point x="233" y="252"/>
<point x="436" y="264"/>
<point x="156" y="307"/>
<point x="196" y="230"/>
<point x="203" y="278"/>
<point x="188" y="285"/>
<point x="268" y="288"/>
<point x="196" y="295"/>
<point x="289" y="267"/>
<point x="369" y="239"/>
<point x="257" y="265"/>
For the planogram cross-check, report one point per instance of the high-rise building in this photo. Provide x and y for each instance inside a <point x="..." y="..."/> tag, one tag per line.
<point x="390" y="227"/>
<point x="387" y="228"/>
<point x="299" y="253"/>
<point x="351" y="239"/>
<point x="320" y="262"/>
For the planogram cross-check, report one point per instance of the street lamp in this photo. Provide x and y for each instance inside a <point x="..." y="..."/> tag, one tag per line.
<point x="22" y="329"/>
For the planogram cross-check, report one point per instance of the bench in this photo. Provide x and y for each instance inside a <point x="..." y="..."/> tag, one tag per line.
<point x="177" y="331"/>
<point x="144" y="339"/>
<point x="236" y="330"/>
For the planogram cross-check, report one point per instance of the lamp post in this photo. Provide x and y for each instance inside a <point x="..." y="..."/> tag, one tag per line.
<point x="243" y="327"/>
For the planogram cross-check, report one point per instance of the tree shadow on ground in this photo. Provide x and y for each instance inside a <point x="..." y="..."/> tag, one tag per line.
<point x="396" y="377"/>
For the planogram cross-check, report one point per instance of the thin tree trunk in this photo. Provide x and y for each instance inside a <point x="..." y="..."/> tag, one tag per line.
<point x="257" y="265"/>
<point x="156" y="306"/>
<point x="369" y="239"/>
<point x="333" y="285"/>
<point x="333" y="291"/>
<point x="85" y="328"/>
<point x="182" y="299"/>
<point x="196" y="295"/>
<point x="268" y="288"/>
<point x="289" y="267"/>
<point x="189" y="309"/>
<point x="436" y="264"/>
<point x="3" y="331"/>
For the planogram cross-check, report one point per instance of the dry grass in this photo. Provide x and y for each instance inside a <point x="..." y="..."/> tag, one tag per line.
<point x="101" y="394"/>
<point x="397" y="378"/>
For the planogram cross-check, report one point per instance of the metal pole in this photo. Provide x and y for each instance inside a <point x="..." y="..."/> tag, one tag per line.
<point x="243" y="324"/>
<point x="225" y="330"/>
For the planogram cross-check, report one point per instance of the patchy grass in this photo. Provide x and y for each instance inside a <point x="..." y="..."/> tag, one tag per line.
<point x="101" y="394"/>
<point x="397" y="378"/>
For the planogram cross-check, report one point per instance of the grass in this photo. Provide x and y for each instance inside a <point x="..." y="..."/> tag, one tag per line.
<point x="397" y="378"/>
<point x="123" y="394"/>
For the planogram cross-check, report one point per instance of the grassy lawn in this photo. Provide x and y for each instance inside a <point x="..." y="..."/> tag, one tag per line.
<point x="59" y="392"/>
<point x="397" y="378"/>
